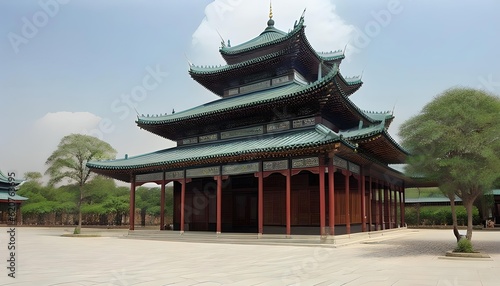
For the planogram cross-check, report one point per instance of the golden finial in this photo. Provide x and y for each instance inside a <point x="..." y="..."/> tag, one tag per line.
<point x="270" y="10"/>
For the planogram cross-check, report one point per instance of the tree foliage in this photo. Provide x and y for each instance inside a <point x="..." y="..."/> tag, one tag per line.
<point x="455" y="141"/>
<point x="69" y="161"/>
<point x="104" y="202"/>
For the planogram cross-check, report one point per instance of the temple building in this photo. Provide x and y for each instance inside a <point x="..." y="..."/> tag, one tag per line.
<point x="283" y="150"/>
<point x="10" y="202"/>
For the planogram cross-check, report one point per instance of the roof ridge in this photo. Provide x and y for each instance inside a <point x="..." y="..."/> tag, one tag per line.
<point x="329" y="76"/>
<point x="375" y="112"/>
<point x="286" y="36"/>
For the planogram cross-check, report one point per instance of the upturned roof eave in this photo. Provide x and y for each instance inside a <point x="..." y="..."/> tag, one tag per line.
<point x="327" y="139"/>
<point x="212" y="71"/>
<point x="145" y="121"/>
<point x="351" y="105"/>
<point x="233" y="51"/>
<point x="381" y="131"/>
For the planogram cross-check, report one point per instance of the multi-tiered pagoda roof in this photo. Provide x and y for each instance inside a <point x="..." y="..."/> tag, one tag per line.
<point x="278" y="98"/>
<point x="7" y="186"/>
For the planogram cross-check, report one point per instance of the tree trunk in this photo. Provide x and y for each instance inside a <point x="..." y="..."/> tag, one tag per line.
<point x="143" y="217"/>
<point x="79" y="226"/>
<point x="454" y="217"/>
<point x="418" y="215"/>
<point x="468" y="207"/>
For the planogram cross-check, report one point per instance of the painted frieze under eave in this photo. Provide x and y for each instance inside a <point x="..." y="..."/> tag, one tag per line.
<point x="300" y="142"/>
<point x="376" y="142"/>
<point x="291" y="97"/>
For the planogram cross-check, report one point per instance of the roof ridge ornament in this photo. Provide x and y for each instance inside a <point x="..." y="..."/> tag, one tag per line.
<point x="270" y="10"/>
<point x="222" y="42"/>
<point x="270" y="22"/>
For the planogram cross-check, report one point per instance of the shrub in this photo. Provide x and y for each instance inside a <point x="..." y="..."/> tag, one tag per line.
<point x="411" y="216"/>
<point x="439" y="215"/>
<point x="464" y="245"/>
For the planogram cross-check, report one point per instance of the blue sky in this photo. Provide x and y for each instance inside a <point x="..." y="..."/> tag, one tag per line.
<point x="86" y="66"/>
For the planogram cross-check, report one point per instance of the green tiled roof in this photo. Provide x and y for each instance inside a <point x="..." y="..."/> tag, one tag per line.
<point x="4" y="196"/>
<point x="357" y="134"/>
<point x="269" y="36"/>
<point x="353" y="80"/>
<point x="330" y="56"/>
<point x="226" y="104"/>
<point x="247" y="100"/>
<point x="4" y="180"/>
<point x="379" y="116"/>
<point x="430" y="200"/>
<point x="295" y="139"/>
<point x="241" y="101"/>
<point x="193" y="69"/>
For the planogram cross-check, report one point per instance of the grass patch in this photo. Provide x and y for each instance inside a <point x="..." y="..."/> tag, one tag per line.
<point x="464" y="246"/>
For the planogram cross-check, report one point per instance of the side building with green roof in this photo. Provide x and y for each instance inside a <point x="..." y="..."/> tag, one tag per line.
<point x="10" y="202"/>
<point x="283" y="150"/>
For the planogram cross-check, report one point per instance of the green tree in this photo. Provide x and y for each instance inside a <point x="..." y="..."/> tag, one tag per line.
<point x="455" y="141"/>
<point x="103" y="199"/>
<point x="69" y="161"/>
<point x="148" y="201"/>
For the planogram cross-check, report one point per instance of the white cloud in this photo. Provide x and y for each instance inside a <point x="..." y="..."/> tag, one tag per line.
<point x="63" y="123"/>
<point x="240" y="21"/>
<point x="33" y="146"/>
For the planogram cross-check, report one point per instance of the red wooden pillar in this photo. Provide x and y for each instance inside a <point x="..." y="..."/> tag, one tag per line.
<point x="331" y="197"/>
<point x="363" y="201"/>
<point x="380" y="209"/>
<point x="183" y="203"/>
<point x="288" y="206"/>
<point x="389" y="205"/>
<point x="347" y="174"/>
<point x="322" y="211"/>
<point x="132" y="203"/>
<point x="162" y="204"/>
<point x="402" y="195"/>
<point x="370" y="204"/>
<point x="260" y="208"/>
<point x="386" y="208"/>
<point x="219" y="204"/>
<point x="396" y="223"/>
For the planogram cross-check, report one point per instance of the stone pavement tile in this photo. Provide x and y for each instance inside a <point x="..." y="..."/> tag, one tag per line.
<point x="208" y="283"/>
<point x="370" y="280"/>
<point x="489" y="275"/>
<point x="314" y="281"/>
<point x="179" y="283"/>
<point x="47" y="259"/>
<point x="253" y="281"/>
<point x="413" y="282"/>
<point x="174" y="281"/>
<point x="457" y="282"/>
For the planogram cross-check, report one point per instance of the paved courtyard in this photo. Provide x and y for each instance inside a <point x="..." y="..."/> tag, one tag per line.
<point x="408" y="257"/>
